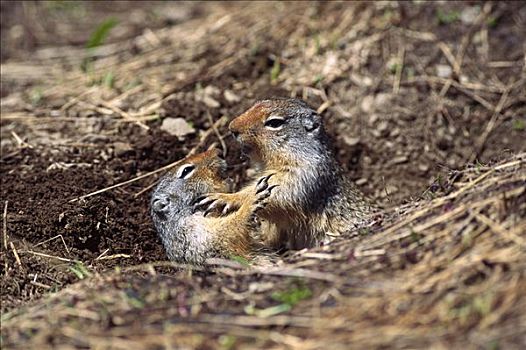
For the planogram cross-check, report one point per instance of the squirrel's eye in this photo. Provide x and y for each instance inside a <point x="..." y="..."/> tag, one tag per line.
<point x="185" y="171"/>
<point x="274" y="123"/>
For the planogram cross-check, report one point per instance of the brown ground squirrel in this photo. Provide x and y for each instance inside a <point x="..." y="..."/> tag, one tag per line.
<point x="190" y="236"/>
<point x="285" y="137"/>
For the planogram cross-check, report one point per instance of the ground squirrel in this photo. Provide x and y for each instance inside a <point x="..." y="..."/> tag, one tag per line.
<point x="190" y="236"/>
<point x="285" y="137"/>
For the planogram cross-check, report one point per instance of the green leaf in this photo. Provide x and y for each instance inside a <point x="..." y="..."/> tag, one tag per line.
<point x="274" y="72"/>
<point x="292" y="296"/>
<point x="240" y="259"/>
<point x="109" y="80"/>
<point x="519" y="125"/>
<point x="447" y="17"/>
<point x="80" y="270"/>
<point x="100" y="34"/>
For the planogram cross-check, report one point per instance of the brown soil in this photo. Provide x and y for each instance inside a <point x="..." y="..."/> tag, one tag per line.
<point x="399" y="130"/>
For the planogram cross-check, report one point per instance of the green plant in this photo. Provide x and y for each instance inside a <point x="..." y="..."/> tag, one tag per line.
<point x="518" y="125"/>
<point x="492" y="21"/>
<point x="317" y="43"/>
<point x="318" y="79"/>
<point x="241" y="260"/>
<point x="274" y="72"/>
<point x="227" y="341"/>
<point x="293" y="295"/>
<point x="447" y="17"/>
<point x="288" y="298"/>
<point x="99" y="35"/>
<point x="477" y="307"/>
<point x="36" y="96"/>
<point x="97" y="38"/>
<point x="80" y="270"/>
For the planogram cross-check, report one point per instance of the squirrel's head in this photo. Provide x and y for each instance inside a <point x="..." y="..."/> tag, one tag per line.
<point x="196" y="175"/>
<point x="173" y="199"/>
<point x="279" y="130"/>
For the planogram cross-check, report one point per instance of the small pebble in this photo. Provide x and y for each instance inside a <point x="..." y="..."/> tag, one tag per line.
<point x="382" y="99"/>
<point x="351" y="141"/>
<point x="367" y="104"/>
<point x="469" y="14"/>
<point x="177" y="127"/>
<point x="362" y="181"/>
<point x="231" y="97"/>
<point x="373" y="118"/>
<point x="120" y="148"/>
<point x="443" y="70"/>
<point x="383" y="126"/>
<point x="210" y="102"/>
<point x="400" y="160"/>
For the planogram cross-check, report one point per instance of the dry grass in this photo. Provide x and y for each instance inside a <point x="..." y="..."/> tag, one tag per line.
<point x="447" y="272"/>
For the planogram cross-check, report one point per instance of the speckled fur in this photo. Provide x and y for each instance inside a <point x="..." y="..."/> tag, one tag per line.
<point x="314" y="199"/>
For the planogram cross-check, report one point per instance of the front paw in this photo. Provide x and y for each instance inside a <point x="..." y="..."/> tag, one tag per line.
<point x="215" y="203"/>
<point x="263" y="191"/>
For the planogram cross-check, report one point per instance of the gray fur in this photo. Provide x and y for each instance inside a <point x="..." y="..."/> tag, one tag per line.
<point x="317" y="190"/>
<point x="184" y="238"/>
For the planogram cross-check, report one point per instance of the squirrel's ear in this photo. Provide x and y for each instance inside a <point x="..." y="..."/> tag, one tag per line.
<point x="312" y="122"/>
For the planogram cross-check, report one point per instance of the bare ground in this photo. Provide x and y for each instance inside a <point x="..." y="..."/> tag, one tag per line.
<point x="426" y="106"/>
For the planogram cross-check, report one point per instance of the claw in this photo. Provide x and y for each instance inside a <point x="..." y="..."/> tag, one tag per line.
<point x="226" y="209"/>
<point x="258" y="207"/>
<point x="264" y="195"/>
<point x="262" y="183"/>
<point x="214" y="204"/>
<point x="200" y="198"/>
<point x="203" y="201"/>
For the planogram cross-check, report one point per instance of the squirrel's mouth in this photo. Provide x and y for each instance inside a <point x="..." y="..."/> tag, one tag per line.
<point x="246" y="150"/>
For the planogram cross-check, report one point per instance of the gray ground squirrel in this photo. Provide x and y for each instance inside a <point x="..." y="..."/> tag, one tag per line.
<point x="190" y="236"/>
<point x="314" y="201"/>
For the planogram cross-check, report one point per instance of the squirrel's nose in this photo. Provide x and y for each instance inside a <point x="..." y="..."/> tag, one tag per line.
<point x="160" y="204"/>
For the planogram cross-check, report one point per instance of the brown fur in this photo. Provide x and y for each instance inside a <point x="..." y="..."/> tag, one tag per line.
<point x="313" y="201"/>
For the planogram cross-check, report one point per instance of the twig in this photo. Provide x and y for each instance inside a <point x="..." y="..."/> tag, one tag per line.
<point x="219" y="136"/>
<point x="304" y="273"/>
<point x="323" y="107"/>
<point x="21" y="143"/>
<point x="4" y="226"/>
<point x="449" y="56"/>
<point x="77" y="98"/>
<point x="115" y="256"/>
<point x="496" y="227"/>
<point x="466" y="39"/>
<point x="15" y="253"/>
<point x="102" y="254"/>
<point x="146" y="189"/>
<point x="47" y="256"/>
<point x="399" y="70"/>
<point x="166" y="167"/>
<point x="479" y="145"/>
<point x="254" y="321"/>
<point x="205" y="136"/>
<point x="42" y="285"/>
<point x="57" y="236"/>
<point x="31" y="119"/>
<point x="125" y="115"/>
